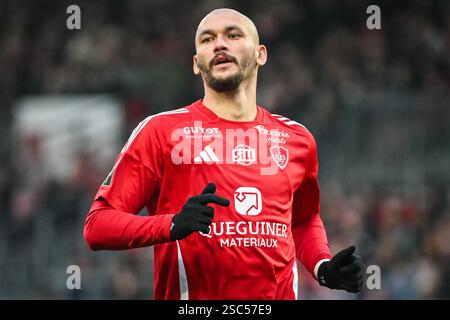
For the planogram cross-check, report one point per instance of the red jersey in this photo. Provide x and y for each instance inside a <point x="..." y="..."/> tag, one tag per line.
<point x="266" y="167"/>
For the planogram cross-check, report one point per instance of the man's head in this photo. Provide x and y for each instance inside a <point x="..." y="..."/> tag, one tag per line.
<point x="228" y="52"/>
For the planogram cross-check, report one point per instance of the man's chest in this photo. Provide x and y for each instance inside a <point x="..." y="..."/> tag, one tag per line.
<point x="256" y="164"/>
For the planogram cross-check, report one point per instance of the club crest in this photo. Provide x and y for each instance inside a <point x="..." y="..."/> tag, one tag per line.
<point x="280" y="155"/>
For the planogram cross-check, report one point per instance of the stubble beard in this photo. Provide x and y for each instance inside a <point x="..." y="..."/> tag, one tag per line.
<point x="232" y="82"/>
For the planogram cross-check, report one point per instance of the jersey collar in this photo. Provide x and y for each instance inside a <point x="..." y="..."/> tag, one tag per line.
<point x="208" y="113"/>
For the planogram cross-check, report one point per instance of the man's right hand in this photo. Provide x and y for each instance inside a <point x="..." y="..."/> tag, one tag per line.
<point x="196" y="215"/>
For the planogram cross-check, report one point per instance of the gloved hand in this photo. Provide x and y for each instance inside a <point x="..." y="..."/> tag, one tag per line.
<point x="344" y="271"/>
<point x="196" y="215"/>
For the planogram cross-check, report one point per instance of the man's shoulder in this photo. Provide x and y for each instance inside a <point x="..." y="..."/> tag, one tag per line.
<point x="288" y="124"/>
<point x="165" y="120"/>
<point x="155" y="125"/>
<point x="169" y="116"/>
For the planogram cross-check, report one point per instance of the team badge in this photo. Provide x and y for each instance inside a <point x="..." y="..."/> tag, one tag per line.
<point x="280" y="155"/>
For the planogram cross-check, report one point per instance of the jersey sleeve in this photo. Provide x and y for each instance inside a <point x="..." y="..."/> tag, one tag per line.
<point x="307" y="227"/>
<point x="133" y="183"/>
<point x="137" y="171"/>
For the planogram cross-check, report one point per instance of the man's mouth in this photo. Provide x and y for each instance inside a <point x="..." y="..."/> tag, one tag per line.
<point x="222" y="59"/>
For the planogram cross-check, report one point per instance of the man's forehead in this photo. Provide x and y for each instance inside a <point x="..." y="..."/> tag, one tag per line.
<point x="221" y="19"/>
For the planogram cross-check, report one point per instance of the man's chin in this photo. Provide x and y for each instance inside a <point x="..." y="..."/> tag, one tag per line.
<point x="226" y="84"/>
<point x="224" y="74"/>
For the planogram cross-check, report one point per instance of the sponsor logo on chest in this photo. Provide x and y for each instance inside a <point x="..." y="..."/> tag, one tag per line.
<point x="198" y="144"/>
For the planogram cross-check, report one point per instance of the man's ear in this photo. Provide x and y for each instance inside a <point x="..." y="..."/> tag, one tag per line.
<point x="261" y="55"/>
<point x="195" y="66"/>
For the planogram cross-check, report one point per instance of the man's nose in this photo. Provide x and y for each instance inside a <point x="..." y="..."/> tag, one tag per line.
<point x="220" y="44"/>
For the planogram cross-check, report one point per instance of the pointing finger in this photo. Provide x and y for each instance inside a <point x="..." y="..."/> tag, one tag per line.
<point x="210" y="188"/>
<point x="212" y="198"/>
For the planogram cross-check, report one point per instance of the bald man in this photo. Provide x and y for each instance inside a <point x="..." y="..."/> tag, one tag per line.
<point x="231" y="190"/>
<point x="228" y="57"/>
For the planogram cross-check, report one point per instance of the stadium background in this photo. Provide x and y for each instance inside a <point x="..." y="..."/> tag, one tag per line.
<point x="377" y="101"/>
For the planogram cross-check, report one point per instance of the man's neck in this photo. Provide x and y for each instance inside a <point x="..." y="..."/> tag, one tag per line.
<point x="239" y="105"/>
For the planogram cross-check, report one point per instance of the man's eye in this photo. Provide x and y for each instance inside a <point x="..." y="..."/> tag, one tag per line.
<point x="206" y="39"/>
<point x="233" y="36"/>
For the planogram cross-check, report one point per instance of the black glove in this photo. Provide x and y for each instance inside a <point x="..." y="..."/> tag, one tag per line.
<point x="196" y="215"/>
<point x="344" y="271"/>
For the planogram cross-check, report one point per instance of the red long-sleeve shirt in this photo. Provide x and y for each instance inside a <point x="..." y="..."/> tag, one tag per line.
<point x="267" y="168"/>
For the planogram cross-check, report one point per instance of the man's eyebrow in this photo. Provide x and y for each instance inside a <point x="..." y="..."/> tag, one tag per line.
<point x="230" y="28"/>
<point x="227" y="29"/>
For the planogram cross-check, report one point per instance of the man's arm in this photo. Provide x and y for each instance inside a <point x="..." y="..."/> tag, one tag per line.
<point x="307" y="227"/>
<point x="113" y="223"/>
<point x="344" y="270"/>
<point x="107" y="228"/>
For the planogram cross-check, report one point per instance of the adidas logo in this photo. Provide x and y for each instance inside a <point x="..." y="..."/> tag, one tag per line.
<point x="207" y="155"/>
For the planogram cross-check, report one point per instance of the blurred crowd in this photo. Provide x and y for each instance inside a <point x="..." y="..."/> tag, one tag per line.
<point x="377" y="101"/>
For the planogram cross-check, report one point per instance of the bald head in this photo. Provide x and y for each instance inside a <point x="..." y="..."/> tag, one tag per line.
<point x="235" y="18"/>
<point x="228" y="52"/>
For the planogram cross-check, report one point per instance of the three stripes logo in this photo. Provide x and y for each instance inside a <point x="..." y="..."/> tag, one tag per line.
<point x="207" y="155"/>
